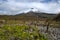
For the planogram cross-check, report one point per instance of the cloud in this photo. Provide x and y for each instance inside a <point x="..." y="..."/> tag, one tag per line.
<point x="14" y="6"/>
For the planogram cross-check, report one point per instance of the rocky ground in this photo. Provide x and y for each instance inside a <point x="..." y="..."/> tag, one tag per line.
<point x="52" y="34"/>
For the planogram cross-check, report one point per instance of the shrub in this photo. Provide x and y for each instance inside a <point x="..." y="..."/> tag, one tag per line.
<point x="20" y="33"/>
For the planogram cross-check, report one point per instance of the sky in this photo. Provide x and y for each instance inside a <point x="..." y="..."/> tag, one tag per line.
<point x="15" y="6"/>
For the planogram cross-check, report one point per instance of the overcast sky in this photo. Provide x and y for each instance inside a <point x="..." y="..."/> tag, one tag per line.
<point x="15" y="6"/>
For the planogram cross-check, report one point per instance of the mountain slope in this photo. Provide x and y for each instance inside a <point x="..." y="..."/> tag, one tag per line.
<point x="30" y="15"/>
<point x="42" y="15"/>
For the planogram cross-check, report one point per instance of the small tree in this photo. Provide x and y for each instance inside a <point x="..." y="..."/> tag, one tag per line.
<point x="48" y="22"/>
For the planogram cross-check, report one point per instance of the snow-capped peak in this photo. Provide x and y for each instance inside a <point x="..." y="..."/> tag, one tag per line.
<point x="29" y="10"/>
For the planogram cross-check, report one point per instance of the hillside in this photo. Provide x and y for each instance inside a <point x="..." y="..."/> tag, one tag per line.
<point x="57" y="17"/>
<point x="28" y="16"/>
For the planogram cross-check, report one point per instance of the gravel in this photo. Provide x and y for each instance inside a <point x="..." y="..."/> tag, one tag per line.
<point x="52" y="34"/>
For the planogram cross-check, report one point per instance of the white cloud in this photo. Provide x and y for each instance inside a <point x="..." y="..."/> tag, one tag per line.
<point x="14" y="7"/>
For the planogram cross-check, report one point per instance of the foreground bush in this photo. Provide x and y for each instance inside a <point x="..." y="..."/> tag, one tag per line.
<point x="20" y="33"/>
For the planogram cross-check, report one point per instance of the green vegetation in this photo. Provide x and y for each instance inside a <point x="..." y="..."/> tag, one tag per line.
<point x="20" y="33"/>
<point x="57" y="18"/>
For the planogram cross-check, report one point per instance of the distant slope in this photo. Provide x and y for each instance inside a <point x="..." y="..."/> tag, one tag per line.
<point x="39" y="15"/>
<point x="28" y="16"/>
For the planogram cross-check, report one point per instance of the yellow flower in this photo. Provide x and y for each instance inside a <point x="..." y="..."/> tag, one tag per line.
<point x="32" y="36"/>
